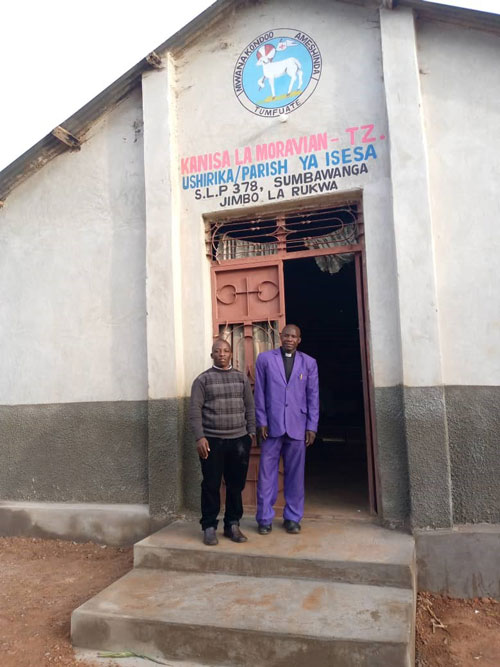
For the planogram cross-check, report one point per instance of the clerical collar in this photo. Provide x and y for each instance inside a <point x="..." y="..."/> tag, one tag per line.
<point x="287" y="354"/>
<point x="229" y="368"/>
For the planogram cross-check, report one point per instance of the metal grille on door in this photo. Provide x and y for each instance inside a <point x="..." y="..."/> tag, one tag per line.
<point x="249" y="310"/>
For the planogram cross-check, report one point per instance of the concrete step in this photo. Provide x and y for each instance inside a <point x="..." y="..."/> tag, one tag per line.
<point x="341" y="550"/>
<point x="240" y="621"/>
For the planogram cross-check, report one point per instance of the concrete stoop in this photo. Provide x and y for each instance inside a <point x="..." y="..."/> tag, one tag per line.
<point x="342" y="593"/>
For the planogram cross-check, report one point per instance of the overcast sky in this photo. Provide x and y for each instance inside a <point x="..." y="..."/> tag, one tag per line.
<point x="55" y="55"/>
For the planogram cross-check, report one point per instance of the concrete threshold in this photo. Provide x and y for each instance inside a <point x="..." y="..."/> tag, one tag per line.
<point x="343" y="550"/>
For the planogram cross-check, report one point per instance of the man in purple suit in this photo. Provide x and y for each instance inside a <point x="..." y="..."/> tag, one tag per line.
<point x="287" y="413"/>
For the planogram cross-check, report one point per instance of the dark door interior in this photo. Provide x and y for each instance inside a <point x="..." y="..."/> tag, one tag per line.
<point x="324" y="306"/>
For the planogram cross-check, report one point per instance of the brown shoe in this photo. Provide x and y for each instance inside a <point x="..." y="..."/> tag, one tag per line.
<point x="234" y="533"/>
<point x="209" y="537"/>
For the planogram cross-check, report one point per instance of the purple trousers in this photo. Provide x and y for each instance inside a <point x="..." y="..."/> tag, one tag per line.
<point x="294" y="456"/>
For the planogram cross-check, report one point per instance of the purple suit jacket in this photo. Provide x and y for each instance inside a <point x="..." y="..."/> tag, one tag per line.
<point x="291" y="408"/>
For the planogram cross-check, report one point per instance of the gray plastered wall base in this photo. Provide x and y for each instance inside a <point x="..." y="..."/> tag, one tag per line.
<point x="428" y="456"/>
<point x="394" y="493"/>
<point x="450" y="436"/>
<point x="191" y="470"/>
<point x="100" y="452"/>
<point x="74" y="452"/>
<point x="474" y="433"/>
<point x="166" y="433"/>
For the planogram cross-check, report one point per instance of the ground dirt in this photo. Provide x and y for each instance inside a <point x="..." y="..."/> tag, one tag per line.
<point x="453" y="632"/>
<point x="42" y="581"/>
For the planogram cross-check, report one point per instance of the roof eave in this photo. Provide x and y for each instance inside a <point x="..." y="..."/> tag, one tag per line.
<point x="79" y="123"/>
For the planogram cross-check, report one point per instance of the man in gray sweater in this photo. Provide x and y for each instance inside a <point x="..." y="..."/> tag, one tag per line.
<point x="223" y="421"/>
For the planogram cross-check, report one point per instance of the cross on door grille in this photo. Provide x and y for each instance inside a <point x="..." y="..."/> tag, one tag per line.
<point x="266" y="291"/>
<point x="249" y="310"/>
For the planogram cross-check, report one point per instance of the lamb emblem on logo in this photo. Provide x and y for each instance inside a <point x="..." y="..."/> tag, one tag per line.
<point x="272" y="70"/>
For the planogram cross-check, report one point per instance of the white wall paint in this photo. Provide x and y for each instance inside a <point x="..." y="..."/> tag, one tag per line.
<point x="72" y="272"/>
<point x="420" y="340"/>
<point x="350" y="93"/>
<point x="460" y="80"/>
<point x="72" y="261"/>
<point x="163" y="254"/>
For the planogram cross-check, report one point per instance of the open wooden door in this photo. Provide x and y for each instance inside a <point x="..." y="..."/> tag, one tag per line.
<point x="249" y="311"/>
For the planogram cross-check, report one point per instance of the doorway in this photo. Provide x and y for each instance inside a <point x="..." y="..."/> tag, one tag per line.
<point x="305" y="267"/>
<point x="324" y="305"/>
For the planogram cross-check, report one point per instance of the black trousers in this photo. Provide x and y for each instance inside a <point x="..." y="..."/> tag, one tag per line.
<point x="228" y="458"/>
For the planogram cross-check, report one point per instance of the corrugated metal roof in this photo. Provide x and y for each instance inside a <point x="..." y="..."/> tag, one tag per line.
<point x="80" y="122"/>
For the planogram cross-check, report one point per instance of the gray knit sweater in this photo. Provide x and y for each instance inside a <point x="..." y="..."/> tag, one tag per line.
<point x="222" y="405"/>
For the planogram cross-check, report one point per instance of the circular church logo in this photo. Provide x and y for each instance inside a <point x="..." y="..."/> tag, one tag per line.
<point x="277" y="72"/>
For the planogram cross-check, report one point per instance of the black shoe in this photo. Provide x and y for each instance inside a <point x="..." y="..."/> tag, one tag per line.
<point x="291" y="527"/>
<point x="234" y="533"/>
<point x="264" y="529"/>
<point x="209" y="537"/>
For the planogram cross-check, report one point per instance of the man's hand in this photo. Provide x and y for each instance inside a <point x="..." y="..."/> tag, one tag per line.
<point x="203" y="448"/>
<point x="310" y="438"/>
<point x="262" y="432"/>
<point x="253" y="438"/>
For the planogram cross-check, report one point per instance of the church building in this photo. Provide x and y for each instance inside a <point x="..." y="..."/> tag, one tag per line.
<point x="331" y="163"/>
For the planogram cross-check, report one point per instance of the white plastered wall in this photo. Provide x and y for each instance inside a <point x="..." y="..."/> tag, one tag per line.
<point x="72" y="272"/>
<point x="350" y="93"/>
<point x="460" y="83"/>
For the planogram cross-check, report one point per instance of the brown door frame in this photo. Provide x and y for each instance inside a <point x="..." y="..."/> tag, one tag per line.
<point x="368" y="385"/>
